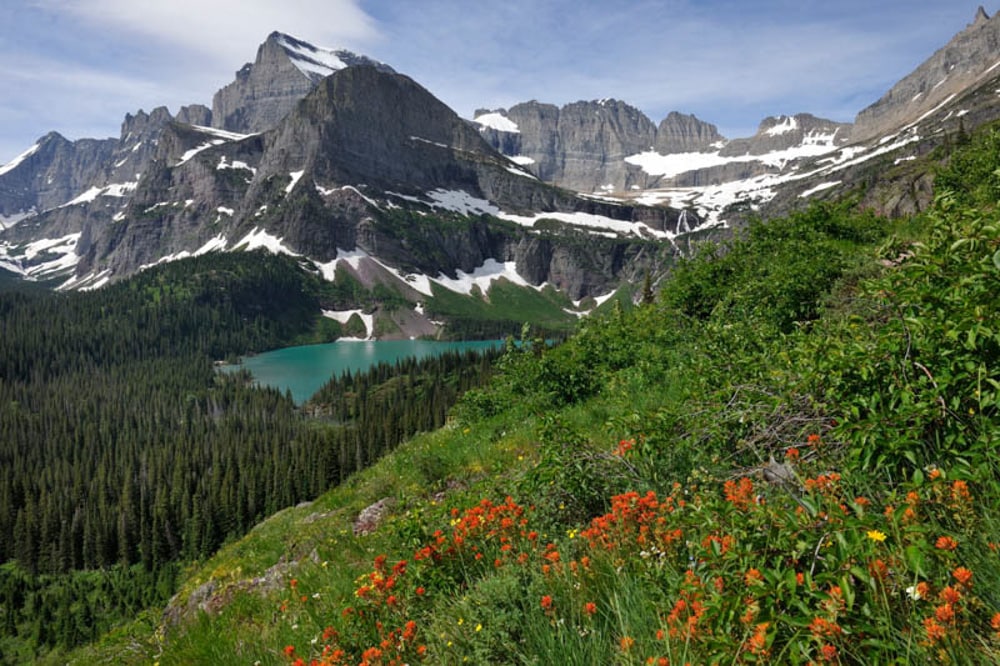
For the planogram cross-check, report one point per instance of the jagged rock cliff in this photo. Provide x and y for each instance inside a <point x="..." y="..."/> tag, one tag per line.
<point x="51" y="173"/>
<point x="583" y="146"/>
<point x="968" y="58"/>
<point x="338" y="175"/>
<point x="285" y="70"/>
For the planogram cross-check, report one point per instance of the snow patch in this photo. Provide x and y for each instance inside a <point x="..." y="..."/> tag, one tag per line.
<point x="8" y="221"/>
<point x="819" y="188"/>
<point x="310" y="59"/>
<point x="236" y="164"/>
<point x="497" y="121"/>
<point x="523" y="160"/>
<point x="326" y="192"/>
<point x="221" y="133"/>
<point x="520" y="172"/>
<point x="260" y="238"/>
<point x="787" y="124"/>
<point x="343" y="316"/>
<point x="295" y="175"/>
<point x="481" y="277"/>
<point x="433" y="143"/>
<point x="194" y="151"/>
<point x="10" y="166"/>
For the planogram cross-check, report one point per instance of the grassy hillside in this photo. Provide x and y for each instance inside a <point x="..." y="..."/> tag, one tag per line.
<point x="789" y="457"/>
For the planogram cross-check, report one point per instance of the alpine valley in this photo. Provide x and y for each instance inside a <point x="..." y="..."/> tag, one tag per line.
<point x="751" y="416"/>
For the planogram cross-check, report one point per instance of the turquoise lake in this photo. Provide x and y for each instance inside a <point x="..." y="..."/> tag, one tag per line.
<point x="303" y="370"/>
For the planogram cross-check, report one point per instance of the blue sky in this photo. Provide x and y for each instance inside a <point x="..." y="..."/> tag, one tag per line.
<point x="77" y="66"/>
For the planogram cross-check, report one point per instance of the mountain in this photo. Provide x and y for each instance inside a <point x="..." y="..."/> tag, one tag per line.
<point x="583" y="146"/>
<point x="338" y="159"/>
<point x="345" y="162"/>
<point x="285" y="70"/>
<point x="968" y="60"/>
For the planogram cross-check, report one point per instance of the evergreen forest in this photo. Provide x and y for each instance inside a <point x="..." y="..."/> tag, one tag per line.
<point x="125" y="454"/>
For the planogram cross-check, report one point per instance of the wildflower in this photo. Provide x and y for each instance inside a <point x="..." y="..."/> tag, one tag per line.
<point x="962" y="575"/>
<point x="739" y="493"/>
<point x="479" y="627"/>
<point x="876" y="535"/>
<point x="914" y="593"/>
<point x="792" y="454"/>
<point x="946" y="543"/>
<point x="813" y="439"/>
<point x="878" y="569"/>
<point x="626" y="643"/>
<point x="945" y="613"/>
<point x="960" y="493"/>
<point x="624" y="446"/>
<point x="420" y="591"/>
<point x="758" y="642"/>
<point x="823" y="628"/>
<point x="752" y="577"/>
<point x="935" y="631"/>
<point x="589" y="608"/>
<point x="829" y="652"/>
<point x="995" y="622"/>
<point x="950" y="595"/>
<point x="546" y="602"/>
<point x="289" y="651"/>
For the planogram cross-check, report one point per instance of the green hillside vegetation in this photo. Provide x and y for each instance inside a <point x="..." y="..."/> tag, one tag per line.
<point x="789" y="457"/>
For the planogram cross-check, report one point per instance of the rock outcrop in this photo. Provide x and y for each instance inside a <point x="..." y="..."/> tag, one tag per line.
<point x="583" y="146"/>
<point x="970" y="57"/>
<point x="285" y="70"/>
<point x="55" y="171"/>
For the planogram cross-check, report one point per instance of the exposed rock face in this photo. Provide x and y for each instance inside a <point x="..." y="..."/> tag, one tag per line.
<point x="54" y="173"/>
<point x="583" y="145"/>
<point x="195" y="114"/>
<point x="967" y="59"/>
<point x="684" y="133"/>
<point x="329" y="177"/>
<point x="783" y="132"/>
<point x="286" y="69"/>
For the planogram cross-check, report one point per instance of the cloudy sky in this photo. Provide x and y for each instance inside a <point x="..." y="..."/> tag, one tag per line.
<point x="77" y="66"/>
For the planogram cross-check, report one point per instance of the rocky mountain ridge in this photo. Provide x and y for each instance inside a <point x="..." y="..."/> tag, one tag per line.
<point x="309" y="151"/>
<point x="971" y="57"/>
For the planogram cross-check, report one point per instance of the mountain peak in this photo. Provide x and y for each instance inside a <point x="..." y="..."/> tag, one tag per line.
<point x="981" y="17"/>
<point x="319" y="62"/>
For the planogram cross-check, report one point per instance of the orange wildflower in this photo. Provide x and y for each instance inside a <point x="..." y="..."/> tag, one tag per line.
<point x="935" y="631"/>
<point x="589" y="608"/>
<point x="626" y="643"/>
<point x="950" y="595"/>
<point x="757" y="644"/>
<point x="828" y="652"/>
<point x="739" y="493"/>
<point x="946" y="543"/>
<point x="995" y="622"/>
<point x="960" y="493"/>
<point x="753" y="577"/>
<point x="962" y="575"/>
<point x="546" y="602"/>
<point x="945" y="613"/>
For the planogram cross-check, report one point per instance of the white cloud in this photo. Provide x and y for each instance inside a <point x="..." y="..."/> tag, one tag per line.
<point x="228" y="31"/>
